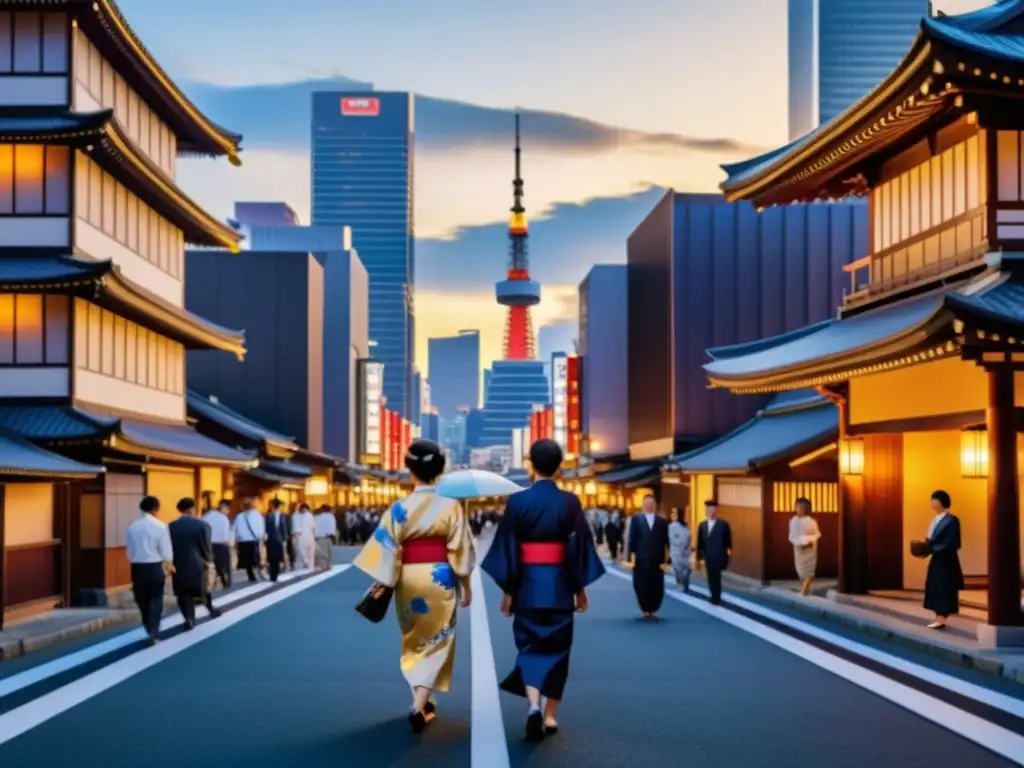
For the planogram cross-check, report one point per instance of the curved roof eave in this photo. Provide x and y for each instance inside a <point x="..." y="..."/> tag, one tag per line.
<point x="755" y="176"/>
<point x="192" y="127"/>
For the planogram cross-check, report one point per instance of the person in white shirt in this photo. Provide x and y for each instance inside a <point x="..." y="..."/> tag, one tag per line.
<point x="326" y="529"/>
<point x="220" y="527"/>
<point x="152" y="559"/>
<point x="250" y="530"/>
<point x="304" y="536"/>
<point x="803" y="535"/>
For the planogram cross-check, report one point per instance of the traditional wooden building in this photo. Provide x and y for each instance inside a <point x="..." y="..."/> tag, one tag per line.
<point x="35" y="525"/>
<point x="758" y="471"/>
<point x="924" y="358"/>
<point x="92" y="232"/>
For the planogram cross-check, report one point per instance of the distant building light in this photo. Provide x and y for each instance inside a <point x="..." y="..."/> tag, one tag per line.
<point x="371" y="343"/>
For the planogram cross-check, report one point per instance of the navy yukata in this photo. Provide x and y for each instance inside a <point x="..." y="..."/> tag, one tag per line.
<point x="546" y="519"/>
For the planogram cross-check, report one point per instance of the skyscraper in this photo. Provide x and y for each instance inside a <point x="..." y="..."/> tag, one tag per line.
<point x="454" y="372"/>
<point x="841" y="49"/>
<point x="362" y="152"/>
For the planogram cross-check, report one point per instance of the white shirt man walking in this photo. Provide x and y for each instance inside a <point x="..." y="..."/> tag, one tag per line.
<point x="220" y="530"/>
<point x="304" y="536"/>
<point x="250" y="531"/>
<point x="152" y="559"/>
<point x="326" y="530"/>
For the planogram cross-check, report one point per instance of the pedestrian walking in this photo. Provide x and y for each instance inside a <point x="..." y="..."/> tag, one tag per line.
<point x="277" y="539"/>
<point x="543" y="557"/>
<point x="679" y="547"/>
<point x="219" y="521"/>
<point x="423" y="550"/>
<point x="648" y="549"/>
<point x="803" y="535"/>
<point x="714" y="548"/>
<point x="613" y="534"/>
<point x="326" y="528"/>
<point x="304" y="536"/>
<point x="191" y="539"/>
<point x="152" y="559"/>
<point x="945" y="577"/>
<point x="250" y="530"/>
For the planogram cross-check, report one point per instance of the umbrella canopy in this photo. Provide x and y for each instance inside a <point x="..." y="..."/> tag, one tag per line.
<point x="475" y="484"/>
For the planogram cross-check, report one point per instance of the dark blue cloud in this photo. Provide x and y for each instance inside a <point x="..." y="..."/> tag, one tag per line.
<point x="562" y="248"/>
<point x="278" y="116"/>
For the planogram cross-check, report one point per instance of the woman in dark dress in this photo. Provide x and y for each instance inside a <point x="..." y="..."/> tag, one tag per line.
<point x="945" y="578"/>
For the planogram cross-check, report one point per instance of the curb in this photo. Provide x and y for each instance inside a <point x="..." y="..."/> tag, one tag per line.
<point x="978" y="661"/>
<point x="13" y="649"/>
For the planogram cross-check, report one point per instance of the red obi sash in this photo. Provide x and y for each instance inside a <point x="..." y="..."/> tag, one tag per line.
<point x="429" y="549"/>
<point x="542" y="553"/>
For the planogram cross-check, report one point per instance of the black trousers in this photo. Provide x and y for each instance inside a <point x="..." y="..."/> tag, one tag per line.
<point x="273" y="568"/>
<point x="715" y="584"/>
<point x="187" y="600"/>
<point x="222" y="562"/>
<point x="249" y="558"/>
<point x="148" y="582"/>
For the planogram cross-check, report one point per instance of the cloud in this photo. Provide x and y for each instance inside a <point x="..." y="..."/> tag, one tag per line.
<point x="277" y="116"/>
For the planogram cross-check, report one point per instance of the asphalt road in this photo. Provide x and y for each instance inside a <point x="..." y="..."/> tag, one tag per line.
<point x="296" y="677"/>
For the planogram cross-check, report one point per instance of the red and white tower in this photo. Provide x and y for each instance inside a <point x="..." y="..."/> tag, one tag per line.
<point x="517" y="291"/>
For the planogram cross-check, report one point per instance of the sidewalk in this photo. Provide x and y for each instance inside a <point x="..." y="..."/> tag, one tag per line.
<point x="25" y="636"/>
<point x="896" y="620"/>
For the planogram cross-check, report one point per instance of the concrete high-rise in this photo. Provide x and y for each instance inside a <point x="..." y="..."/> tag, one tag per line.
<point x="604" y="358"/>
<point x="454" y="372"/>
<point x="841" y="49"/>
<point x="345" y="320"/>
<point x="362" y="176"/>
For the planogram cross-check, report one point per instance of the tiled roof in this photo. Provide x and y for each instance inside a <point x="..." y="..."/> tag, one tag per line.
<point x="286" y="468"/>
<point x="220" y="414"/>
<point x="831" y="339"/>
<point x="270" y="477"/>
<point x="45" y="270"/>
<point x="45" y="423"/>
<point x="636" y="474"/>
<point x="792" y="425"/>
<point x="1002" y="302"/>
<point x="20" y="458"/>
<point x="179" y="440"/>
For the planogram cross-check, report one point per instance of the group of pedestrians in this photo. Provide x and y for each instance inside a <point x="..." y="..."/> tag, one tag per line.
<point x="195" y="552"/>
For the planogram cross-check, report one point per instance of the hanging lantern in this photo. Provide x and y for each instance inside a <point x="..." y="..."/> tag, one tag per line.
<point x="851" y="456"/>
<point x="974" y="453"/>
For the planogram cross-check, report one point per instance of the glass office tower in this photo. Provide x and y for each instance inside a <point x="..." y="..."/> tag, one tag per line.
<point x="455" y="372"/>
<point x="841" y="49"/>
<point x="362" y="176"/>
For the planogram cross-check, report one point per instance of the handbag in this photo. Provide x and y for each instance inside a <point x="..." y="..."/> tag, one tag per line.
<point x="373" y="605"/>
<point x="921" y="548"/>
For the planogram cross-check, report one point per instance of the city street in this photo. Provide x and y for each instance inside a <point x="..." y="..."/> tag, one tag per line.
<point x="296" y="677"/>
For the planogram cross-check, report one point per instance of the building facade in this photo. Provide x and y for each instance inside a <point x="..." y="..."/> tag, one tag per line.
<point x="95" y="329"/>
<point x="265" y="214"/>
<point x="704" y="273"/>
<point x="345" y="320"/>
<point x="603" y="349"/>
<point x="362" y="176"/>
<point x="515" y="387"/>
<point x="454" y="372"/>
<point x="840" y="49"/>
<point x="278" y="298"/>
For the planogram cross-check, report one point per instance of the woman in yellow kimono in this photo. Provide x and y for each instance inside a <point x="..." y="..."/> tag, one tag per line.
<point x="423" y="548"/>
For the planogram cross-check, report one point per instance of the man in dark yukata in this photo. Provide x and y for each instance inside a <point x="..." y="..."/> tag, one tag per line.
<point x="648" y="550"/>
<point x="543" y="557"/>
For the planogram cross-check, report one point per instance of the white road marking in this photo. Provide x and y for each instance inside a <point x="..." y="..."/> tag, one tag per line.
<point x="978" y="693"/>
<point x="488" y="745"/>
<point x="38" y="711"/>
<point x="988" y="735"/>
<point x="41" y="672"/>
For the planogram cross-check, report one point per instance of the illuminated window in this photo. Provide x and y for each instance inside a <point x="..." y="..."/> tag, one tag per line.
<point x="33" y="329"/>
<point x="34" y="180"/>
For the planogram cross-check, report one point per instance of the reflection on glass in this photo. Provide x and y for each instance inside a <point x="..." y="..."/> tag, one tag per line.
<point x="57" y="330"/>
<point x="28" y="180"/>
<point x="29" y="321"/>
<point x="6" y="329"/>
<point x="57" y="165"/>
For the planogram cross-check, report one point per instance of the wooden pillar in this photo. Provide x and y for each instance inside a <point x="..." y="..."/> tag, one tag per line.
<point x="1004" y="580"/>
<point x="767" y="510"/>
<point x="853" y="521"/>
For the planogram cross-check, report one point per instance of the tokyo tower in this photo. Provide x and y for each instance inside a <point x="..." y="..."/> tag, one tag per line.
<point x="517" y="291"/>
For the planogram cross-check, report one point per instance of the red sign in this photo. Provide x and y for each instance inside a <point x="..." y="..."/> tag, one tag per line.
<point x="395" y="433"/>
<point x="385" y="439"/>
<point x="572" y="391"/>
<point x="360" y="106"/>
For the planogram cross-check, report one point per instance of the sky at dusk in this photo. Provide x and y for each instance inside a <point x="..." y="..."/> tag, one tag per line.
<point x="646" y="96"/>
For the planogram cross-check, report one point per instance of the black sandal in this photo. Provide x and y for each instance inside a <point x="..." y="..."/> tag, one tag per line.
<point x="550" y="729"/>
<point x="535" y="726"/>
<point x="417" y="721"/>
